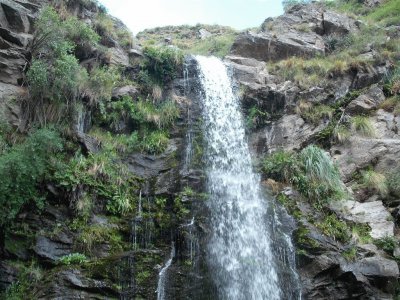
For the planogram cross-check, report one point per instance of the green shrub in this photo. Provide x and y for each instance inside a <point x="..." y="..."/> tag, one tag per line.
<point x="387" y="244"/>
<point x="363" y="126"/>
<point x="155" y="142"/>
<point x="218" y="45"/>
<point x="93" y="235"/>
<point x="163" y="63"/>
<point x="374" y="181"/>
<point x="73" y="259"/>
<point x="311" y="171"/>
<point x="22" y="168"/>
<point x="335" y="228"/>
<point x="256" y="118"/>
<point x="361" y="232"/>
<point x="103" y="176"/>
<point x="393" y="182"/>
<point x="101" y="83"/>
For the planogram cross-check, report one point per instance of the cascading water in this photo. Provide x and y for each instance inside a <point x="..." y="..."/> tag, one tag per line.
<point x="239" y="250"/>
<point x="162" y="276"/>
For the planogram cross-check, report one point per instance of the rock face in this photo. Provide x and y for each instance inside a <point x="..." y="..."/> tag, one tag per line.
<point x="366" y="102"/>
<point x="297" y="33"/>
<point x="372" y="213"/>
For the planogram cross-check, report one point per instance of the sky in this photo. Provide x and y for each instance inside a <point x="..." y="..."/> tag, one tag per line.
<point x="239" y="14"/>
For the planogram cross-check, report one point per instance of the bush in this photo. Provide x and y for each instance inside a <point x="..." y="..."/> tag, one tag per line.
<point x="22" y="168"/>
<point x="155" y="142"/>
<point x="363" y="126"/>
<point x="163" y="63"/>
<point x="387" y="244"/>
<point x="311" y="171"/>
<point x="335" y="228"/>
<point x="103" y="177"/>
<point x="73" y="259"/>
<point x="393" y="182"/>
<point x="101" y="83"/>
<point x="374" y="181"/>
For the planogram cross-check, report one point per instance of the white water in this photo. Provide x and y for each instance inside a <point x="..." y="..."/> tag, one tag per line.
<point x="239" y="251"/>
<point x="162" y="276"/>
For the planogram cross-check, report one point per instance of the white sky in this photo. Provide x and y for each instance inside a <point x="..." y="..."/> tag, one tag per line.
<point x="239" y="14"/>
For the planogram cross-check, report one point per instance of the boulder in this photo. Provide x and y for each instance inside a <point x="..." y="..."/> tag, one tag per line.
<point x="127" y="90"/>
<point x="76" y="285"/>
<point x="12" y="63"/>
<point x="51" y="249"/>
<point x="372" y="213"/>
<point x="271" y="47"/>
<point x="339" y="24"/>
<point x="8" y="275"/>
<point x="203" y="34"/>
<point x="14" y="16"/>
<point x="366" y="102"/>
<point x="360" y="152"/>
<point x="248" y="70"/>
<point x="118" y="57"/>
<point x="290" y="132"/>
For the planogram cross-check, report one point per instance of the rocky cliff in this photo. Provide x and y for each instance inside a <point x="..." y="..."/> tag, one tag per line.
<point x="128" y="179"/>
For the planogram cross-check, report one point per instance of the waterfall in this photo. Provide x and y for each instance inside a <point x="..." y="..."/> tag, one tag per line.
<point x="162" y="276"/>
<point x="239" y="250"/>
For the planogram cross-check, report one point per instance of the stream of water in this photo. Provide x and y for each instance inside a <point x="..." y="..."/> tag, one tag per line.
<point x="239" y="250"/>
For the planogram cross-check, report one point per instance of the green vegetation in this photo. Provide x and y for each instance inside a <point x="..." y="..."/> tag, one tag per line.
<point x="332" y="226"/>
<point x="91" y="236"/>
<point x="387" y="244"/>
<point x="73" y="259"/>
<point x="188" y="38"/>
<point x="22" y="168"/>
<point x="311" y="172"/>
<point x="29" y="275"/>
<point x="363" y="126"/>
<point x="163" y="63"/>
<point x="103" y="177"/>
<point x="105" y="26"/>
<point x="256" y="118"/>
<point x="393" y="182"/>
<point x="350" y="254"/>
<point x="361" y="233"/>
<point x="314" y="113"/>
<point x="218" y="46"/>
<point x="374" y="181"/>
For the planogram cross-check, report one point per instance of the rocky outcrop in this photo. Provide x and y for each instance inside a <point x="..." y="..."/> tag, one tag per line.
<point x="299" y="32"/>
<point x="367" y="101"/>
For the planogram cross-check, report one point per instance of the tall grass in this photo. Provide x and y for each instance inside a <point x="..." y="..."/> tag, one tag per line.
<point x="363" y="126"/>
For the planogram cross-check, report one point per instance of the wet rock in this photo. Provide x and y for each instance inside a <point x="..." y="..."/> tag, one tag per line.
<point x="366" y="102"/>
<point x="89" y="143"/>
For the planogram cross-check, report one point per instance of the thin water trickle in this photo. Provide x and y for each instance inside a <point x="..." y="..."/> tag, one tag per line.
<point x="239" y="250"/>
<point x="162" y="276"/>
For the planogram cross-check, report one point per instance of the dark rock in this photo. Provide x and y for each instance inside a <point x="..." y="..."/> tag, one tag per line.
<point x="52" y="249"/>
<point x="8" y="275"/>
<point x="14" y="16"/>
<point x="89" y="143"/>
<point x="12" y="63"/>
<point x="75" y="285"/>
